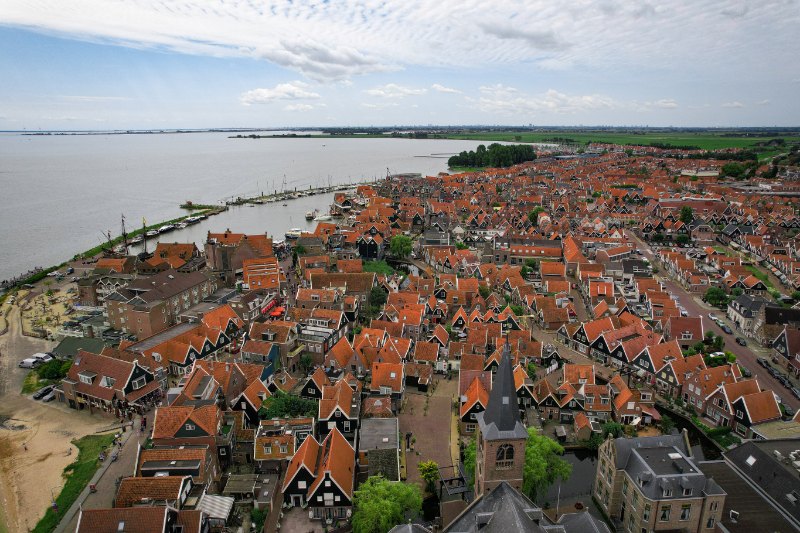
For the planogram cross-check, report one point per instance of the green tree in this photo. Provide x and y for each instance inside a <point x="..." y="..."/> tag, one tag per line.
<point x="658" y="237"/>
<point x="400" y="246"/>
<point x="470" y="456"/>
<point x="666" y="425"/>
<point x="687" y="214"/>
<point x="682" y="239"/>
<point x="300" y="249"/>
<point x="533" y="216"/>
<point x="733" y="170"/>
<point x="530" y="369"/>
<point x="716" y="297"/>
<point x="461" y="246"/>
<point x="379" y="505"/>
<point x="543" y="464"/>
<point x="429" y="472"/>
<point x="484" y="291"/>
<point x="306" y="362"/>
<point x="281" y="405"/>
<point x="614" y="429"/>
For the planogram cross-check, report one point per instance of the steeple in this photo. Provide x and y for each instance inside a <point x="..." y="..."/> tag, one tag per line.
<point x="501" y="418"/>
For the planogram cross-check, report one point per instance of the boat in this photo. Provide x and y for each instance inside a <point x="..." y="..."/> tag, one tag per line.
<point x="309" y="215"/>
<point x="191" y="220"/>
<point x="152" y="233"/>
<point x="182" y="225"/>
<point x="285" y="204"/>
<point x="137" y="239"/>
<point x="294" y="233"/>
<point x="322" y="218"/>
<point x="166" y="227"/>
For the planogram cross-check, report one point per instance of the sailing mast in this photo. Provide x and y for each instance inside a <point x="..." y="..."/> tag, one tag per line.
<point x="124" y="236"/>
<point x="144" y="236"/>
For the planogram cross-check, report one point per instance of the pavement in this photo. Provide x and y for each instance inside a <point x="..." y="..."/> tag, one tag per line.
<point x="745" y="355"/>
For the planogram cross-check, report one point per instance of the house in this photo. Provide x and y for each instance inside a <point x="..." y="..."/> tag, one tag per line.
<point x="474" y="401"/>
<point x="159" y="519"/>
<point x="192" y="426"/>
<point x="378" y="449"/>
<point x="744" y="312"/>
<point x="339" y="407"/>
<point x="388" y="379"/>
<point x="322" y="475"/>
<point x="194" y="461"/>
<point x="166" y="490"/>
<point x="278" y="439"/>
<point x="787" y="347"/>
<point x="685" y="330"/>
<point x="654" y="483"/>
<point x="102" y="383"/>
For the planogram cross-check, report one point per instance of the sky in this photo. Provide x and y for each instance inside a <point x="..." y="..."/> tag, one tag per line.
<point x="151" y="64"/>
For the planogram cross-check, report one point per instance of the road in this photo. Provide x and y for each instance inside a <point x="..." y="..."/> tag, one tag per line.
<point x="745" y="355"/>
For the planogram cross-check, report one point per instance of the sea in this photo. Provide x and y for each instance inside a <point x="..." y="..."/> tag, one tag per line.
<point x="62" y="194"/>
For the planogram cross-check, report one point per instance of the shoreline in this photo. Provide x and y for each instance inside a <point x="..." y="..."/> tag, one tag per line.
<point x="41" y="274"/>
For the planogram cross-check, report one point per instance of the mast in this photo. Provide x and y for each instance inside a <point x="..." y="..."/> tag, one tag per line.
<point x="124" y="235"/>
<point x="144" y="236"/>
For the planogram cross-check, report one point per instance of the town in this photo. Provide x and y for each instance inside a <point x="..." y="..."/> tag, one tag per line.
<point x="605" y="340"/>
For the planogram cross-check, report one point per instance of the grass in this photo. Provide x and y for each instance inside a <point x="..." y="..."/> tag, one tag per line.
<point x="721" y="249"/>
<point x="378" y="267"/>
<point x="466" y="169"/>
<point x="761" y="275"/>
<point x="32" y="383"/>
<point x="77" y="475"/>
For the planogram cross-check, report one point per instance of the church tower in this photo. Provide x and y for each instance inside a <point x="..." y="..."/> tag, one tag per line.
<point x="501" y="437"/>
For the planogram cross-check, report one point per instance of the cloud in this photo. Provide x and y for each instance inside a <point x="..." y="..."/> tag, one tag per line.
<point x="295" y="90"/>
<point x="763" y="102"/>
<point x="509" y="100"/>
<point x="733" y="105"/>
<point x="382" y="105"/>
<point x="539" y="39"/>
<point x="299" y="107"/>
<point x="392" y="90"/>
<point x="665" y="103"/>
<point x="443" y="89"/>
<point x="320" y="62"/>
<point x="93" y="99"/>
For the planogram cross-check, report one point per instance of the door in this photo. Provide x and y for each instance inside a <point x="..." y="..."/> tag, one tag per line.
<point x="297" y="500"/>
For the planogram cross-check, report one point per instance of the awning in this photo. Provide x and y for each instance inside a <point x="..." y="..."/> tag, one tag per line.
<point x="272" y="303"/>
<point x="650" y="410"/>
<point x="278" y="311"/>
<point x="216" y="506"/>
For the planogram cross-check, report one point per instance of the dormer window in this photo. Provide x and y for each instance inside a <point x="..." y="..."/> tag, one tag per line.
<point x="107" y="382"/>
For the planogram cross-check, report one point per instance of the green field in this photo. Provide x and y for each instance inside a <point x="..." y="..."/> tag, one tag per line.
<point x="703" y="141"/>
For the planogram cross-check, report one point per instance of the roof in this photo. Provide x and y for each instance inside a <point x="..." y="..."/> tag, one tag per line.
<point x="136" y="490"/>
<point x="501" y="418"/>
<point x="168" y="420"/>
<point x="127" y="520"/>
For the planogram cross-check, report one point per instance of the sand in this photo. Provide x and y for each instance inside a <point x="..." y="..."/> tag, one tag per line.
<point x="33" y="455"/>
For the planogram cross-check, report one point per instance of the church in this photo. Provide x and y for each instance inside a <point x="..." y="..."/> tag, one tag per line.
<point x="499" y="504"/>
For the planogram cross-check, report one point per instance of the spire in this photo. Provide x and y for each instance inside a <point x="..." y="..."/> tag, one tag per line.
<point x="502" y="410"/>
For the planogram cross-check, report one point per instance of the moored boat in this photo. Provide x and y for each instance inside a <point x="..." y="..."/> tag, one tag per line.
<point x="294" y="233"/>
<point x="166" y="227"/>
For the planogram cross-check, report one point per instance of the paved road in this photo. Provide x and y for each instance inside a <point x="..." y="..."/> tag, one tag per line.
<point x="745" y="355"/>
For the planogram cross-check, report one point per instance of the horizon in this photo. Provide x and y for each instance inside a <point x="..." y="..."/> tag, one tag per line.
<point x="148" y="65"/>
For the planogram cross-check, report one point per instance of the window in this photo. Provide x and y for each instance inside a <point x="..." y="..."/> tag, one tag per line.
<point x="301" y="484"/>
<point x="665" y="510"/>
<point x="310" y="390"/>
<point x="189" y="427"/>
<point x="667" y="492"/>
<point x="268" y="451"/>
<point x="686" y="511"/>
<point x="646" y="512"/>
<point x="470" y="428"/>
<point x="138" y="383"/>
<point x="713" y="506"/>
<point x="625" y="486"/>
<point x="283" y="448"/>
<point x="85" y="379"/>
<point x="710" y="523"/>
<point x="741" y="430"/>
<point x="739" y="414"/>
<point x="687" y="491"/>
<point x="505" y="457"/>
<point x="223" y="451"/>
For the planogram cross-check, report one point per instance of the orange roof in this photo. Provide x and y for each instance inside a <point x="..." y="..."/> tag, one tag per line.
<point x="475" y="393"/>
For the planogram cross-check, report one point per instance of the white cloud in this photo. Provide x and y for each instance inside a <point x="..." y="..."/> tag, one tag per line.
<point x="299" y="107"/>
<point x="443" y="89"/>
<point x="392" y="90"/>
<point x="733" y="105"/>
<point x="509" y="100"/>
<point x="382" y="105"/>
<point x="665" y="103"/>
<point x="327" y="40"/>
<point x="296" y="90"/>
<point x="763" y="102"/>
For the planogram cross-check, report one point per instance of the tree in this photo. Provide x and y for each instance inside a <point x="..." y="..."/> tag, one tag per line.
<point x="533" y="216"/>
<point x="530" y="369"/>
<point x="429" y="471"/>
<point x="716" y="297"/>
<point x="658" y="237"/>
<point x="281" y="405"/>
<point x="400" y="246"/>
<point x="687" y="214"/>
<point x="682" y="239"/>
<point x="306" y="362"/>
<point x="666" y="425"/>
<point x="379" y="505"/>
<point x="461" y="246"/>
<point x="377" y="297"/>
<point x="614" y="429"/>
<point x="470" y="456"/>
<point x="543" y="464"/>
<point x="484" y="291"/>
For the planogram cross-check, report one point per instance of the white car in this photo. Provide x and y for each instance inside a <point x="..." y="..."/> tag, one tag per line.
<point x="30" y="362"/>
<point x="713" y="317"/>
<point x="43" y="357"/>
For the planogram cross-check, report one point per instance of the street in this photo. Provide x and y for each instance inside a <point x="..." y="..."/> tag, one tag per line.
<point x="745" y="355"/>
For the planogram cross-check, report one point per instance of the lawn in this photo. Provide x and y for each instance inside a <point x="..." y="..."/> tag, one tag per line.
<point x="760" y="275"/>
<point x="378" y="267"/>
<point x="77" y="476"/>
<point x="32" y="382"/>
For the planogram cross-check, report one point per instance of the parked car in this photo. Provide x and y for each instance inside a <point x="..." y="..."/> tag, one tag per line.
<point x="745" y="371"/>
<point x="30" y="362"/>
<point x="796" y="392"/>
<point x="788" y="412"/>
<point x="41" y="393"/>
<point x="763" y="362"/>
<point x="43" y="357"/>
<point x="713" y="317"/>
<point x="50" y="396"/>
<point x="726" y="329"/>
<point x="740" y="341"/>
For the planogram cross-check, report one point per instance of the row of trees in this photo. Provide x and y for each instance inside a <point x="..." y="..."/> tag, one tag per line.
<point x="497" y="155"/>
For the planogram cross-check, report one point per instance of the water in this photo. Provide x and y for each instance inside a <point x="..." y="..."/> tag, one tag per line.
<point x="61" y="193"/>
<point x="579" y="484"/>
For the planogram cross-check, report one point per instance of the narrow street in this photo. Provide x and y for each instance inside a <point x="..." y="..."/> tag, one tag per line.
<point x="745" y="355"/>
